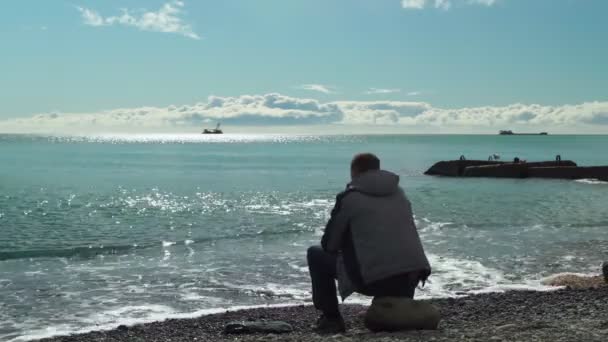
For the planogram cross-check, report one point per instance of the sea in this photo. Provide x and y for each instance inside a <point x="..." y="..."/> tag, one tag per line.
<point x="102" y="230"/>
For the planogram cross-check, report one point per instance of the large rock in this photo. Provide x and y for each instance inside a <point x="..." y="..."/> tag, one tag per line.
<point x="605" y="271"/>
<point x="265" y="327"/>
<point x="574" y="281"/>
<point x="397" y="313"/>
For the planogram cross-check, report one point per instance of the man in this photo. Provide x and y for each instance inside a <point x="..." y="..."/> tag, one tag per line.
<point x="370" y="244"/>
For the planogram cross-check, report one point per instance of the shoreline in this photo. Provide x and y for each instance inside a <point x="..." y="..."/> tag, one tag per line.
<point x="560" y="315"/>
<point x="42" y="333"/>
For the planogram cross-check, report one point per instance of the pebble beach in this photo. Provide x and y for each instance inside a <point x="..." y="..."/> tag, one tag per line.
<point x="561" y="315"/>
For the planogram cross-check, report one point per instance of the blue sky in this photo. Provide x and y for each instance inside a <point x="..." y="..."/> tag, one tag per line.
<point x="85" y="57"/>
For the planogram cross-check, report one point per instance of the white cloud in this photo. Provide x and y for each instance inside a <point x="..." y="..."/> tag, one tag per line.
<point x="91" y="18"/>
<point x="443" y="4"/>
<point x="167" y="19"/>
<point x="268" y="109"/>
<point x="280" y="110"/>
<point x="317" y="87"/>
<point x="413" y="4"/>
<point x="372" y="91"/>
<point x="380" y="112"/>
<point x="483" y="2"/>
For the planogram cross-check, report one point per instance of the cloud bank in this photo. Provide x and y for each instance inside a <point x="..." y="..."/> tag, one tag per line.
<point x="442" y="4"/>
<point x="281" y="110"/>
<point x="167" y="19"/>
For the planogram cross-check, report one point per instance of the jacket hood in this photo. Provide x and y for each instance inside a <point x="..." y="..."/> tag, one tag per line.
<point x="376" y="183"/>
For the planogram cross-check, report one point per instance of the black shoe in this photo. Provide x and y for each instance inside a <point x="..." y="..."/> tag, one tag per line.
<point x="330" y="325"/>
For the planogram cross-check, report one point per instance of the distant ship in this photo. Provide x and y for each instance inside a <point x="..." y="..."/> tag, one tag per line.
<point x="216" y="130"/>
<point x="511" y="133"/>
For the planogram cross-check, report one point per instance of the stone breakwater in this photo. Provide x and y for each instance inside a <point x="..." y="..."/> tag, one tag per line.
<point x="562" y="315"/>
<point x="557" y="169"/>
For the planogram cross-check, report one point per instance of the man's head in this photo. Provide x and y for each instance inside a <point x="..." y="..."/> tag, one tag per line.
<point x="362" y="163"/>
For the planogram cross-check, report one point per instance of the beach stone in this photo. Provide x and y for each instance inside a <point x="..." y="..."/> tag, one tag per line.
<point x="507" y="327"/>
<point x="605" y="271"/>
<point x="253" y="327"/>
<point x="574" y="281"/>
<point x="398" y="313"/>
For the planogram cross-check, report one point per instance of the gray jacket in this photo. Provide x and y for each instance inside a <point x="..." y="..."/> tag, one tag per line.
<point x="372" y="227"/>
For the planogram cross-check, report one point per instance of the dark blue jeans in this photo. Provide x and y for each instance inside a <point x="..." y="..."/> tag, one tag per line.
<point x="323" y="274"/>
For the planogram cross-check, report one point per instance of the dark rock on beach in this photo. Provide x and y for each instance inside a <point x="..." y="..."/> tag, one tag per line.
<point x="563" y="315"/>
<point x="260" y="327"/>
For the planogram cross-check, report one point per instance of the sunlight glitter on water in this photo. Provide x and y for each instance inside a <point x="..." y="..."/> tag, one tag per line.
<point x="163" y="138"/>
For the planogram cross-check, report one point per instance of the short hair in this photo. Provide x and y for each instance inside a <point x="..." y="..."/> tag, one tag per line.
<point x="364" y="162"/>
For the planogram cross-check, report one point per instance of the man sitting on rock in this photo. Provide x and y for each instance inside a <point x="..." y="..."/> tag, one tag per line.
<point x="370" y="244"/>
